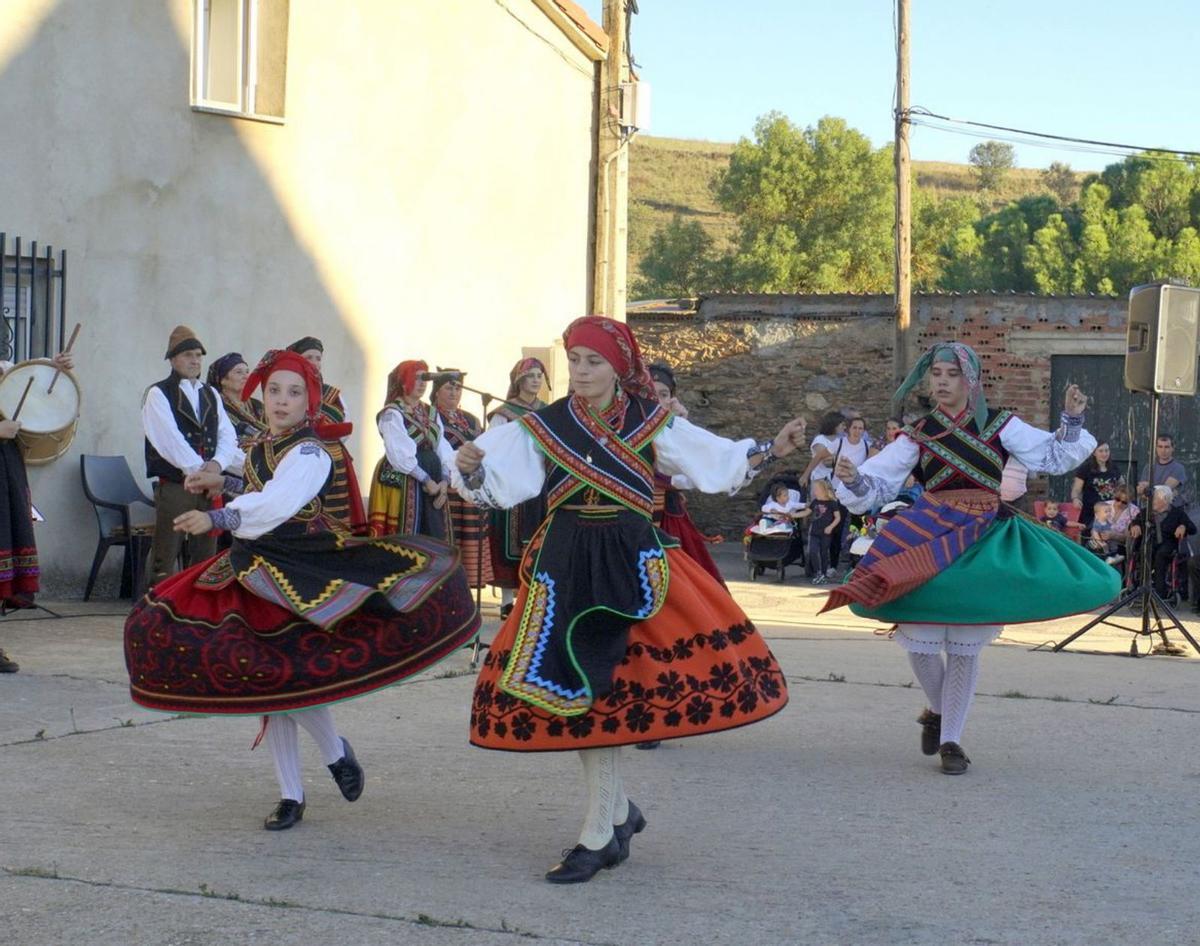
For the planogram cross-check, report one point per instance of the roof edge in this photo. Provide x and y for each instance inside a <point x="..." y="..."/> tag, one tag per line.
<point x="584" y="33"/>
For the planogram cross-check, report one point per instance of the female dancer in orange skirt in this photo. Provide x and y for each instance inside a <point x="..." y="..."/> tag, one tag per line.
<point x="617" y="636"/>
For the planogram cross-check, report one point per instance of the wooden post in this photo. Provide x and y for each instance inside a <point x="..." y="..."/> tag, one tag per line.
<point x="612" y="172"/>
<point x="900" y="361"/>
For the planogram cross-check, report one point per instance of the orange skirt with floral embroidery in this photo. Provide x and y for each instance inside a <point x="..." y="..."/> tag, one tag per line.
<point x="697" y="666"/>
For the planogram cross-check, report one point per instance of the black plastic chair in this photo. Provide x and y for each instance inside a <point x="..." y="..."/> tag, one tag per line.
<point x="124" y="514"/>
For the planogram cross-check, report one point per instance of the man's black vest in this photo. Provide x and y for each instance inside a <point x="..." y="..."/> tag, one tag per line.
<point x="200" y="433"/>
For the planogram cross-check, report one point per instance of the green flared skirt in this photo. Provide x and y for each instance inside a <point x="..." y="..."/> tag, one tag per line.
<point x="1018" y="571"/>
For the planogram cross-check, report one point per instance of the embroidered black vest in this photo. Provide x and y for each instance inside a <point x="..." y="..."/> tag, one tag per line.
<point x="960" y="456"/>
<point x="460" y="427"/>
<point x="200" y="432"/>
<point x="613" y="456"/>
<point x="262" y="461"/>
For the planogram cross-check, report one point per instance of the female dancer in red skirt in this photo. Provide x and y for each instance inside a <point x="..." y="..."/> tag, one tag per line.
<point x="297" y="614"/>
<point x="617" y="636"/>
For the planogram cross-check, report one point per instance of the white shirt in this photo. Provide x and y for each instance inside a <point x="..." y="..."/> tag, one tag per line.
<point x="515" y="469"/>
<point x="298" y="478"/>
<point x="1040" y="451"/>
<point x="855" y="452"/>
<point x="401" y="449"/>
<point x="164" y="434"/>
<point x="822" y="471"/>
<point x="791" y="506"/>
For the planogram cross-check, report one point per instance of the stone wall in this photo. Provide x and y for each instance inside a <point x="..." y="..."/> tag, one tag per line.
<point x="747" y="363"/>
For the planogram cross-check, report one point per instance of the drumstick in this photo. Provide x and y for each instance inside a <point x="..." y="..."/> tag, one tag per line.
<point x="70" y="342"/>
<point x="21" y="403"/>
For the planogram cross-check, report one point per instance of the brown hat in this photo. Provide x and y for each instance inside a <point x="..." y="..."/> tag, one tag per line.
<point x="183" y="339"/>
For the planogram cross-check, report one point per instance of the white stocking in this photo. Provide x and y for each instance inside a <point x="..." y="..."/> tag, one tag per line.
<point x="599" y="771"/>
<point x="962" y="674"/>
<point x="930" y="672"/>
<point x="318" y="723"/>
<point x="620" y="812"/>
<point x="283" y="740"/>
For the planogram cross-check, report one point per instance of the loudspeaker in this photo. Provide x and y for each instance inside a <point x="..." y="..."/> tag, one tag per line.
<point x="1161" y="351"/>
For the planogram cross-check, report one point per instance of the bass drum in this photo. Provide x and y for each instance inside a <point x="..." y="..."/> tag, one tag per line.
<point x="48" y="419"/>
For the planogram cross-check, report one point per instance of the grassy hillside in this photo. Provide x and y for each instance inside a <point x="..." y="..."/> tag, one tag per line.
<point x="672" y="175"/>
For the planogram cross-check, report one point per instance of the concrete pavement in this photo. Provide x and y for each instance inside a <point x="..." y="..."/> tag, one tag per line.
<point x="825" y="824"/>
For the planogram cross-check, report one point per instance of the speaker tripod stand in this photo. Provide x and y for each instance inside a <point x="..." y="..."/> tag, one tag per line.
<point x="1154" y="610"/>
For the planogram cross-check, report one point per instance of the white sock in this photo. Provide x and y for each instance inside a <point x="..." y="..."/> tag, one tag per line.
<point x="318" y="723"/>
<point x="599" y="772"/>
<point x="283" y="740"/>
<point x="507" y="596"/>
<point x="962" y="673"/>
<point x="620" y="812"/>
<point x="930" y="672"/>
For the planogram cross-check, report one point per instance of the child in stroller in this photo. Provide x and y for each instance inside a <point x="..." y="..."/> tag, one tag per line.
<point x="773" y="539"/>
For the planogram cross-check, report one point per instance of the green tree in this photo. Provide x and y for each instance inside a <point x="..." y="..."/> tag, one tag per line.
<point x="965" y="269"/>
<point x="1059" y="180"/>
<point x="814" y="208"/>
<point x="1051" y="259"/>
<point x="935" y="222"/>
<point x="1164" y="191"/>
<point x="991" y="160"/>
<point x="677" y="262"/>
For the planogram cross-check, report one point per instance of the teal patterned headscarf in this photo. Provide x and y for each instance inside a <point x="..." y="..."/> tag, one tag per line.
<point x="968" y="363"/>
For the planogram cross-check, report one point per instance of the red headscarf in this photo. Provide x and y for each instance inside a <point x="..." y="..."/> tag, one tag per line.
<point x="276" y="360"/>
<point x="403" y="379"/>
<point x="613" y="341"/>
<point x="522" y="368"/>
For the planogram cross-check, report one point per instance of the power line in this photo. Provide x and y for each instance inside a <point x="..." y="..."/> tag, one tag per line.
<point x="1067" y="139"/>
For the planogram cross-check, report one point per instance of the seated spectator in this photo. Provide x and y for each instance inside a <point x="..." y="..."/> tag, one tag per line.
<point x="1168" y="526"/>
<point x="1052" y="517"/>
<point x="1099" y="537"/>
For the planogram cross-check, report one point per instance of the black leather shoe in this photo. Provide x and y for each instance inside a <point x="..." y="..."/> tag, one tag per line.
<point x="931" y="731"/>
<point x="649" y="745"/>
<point x="287" y="814"/>
<point x="954" y="760"/>
<point x="580" y="864"/>
<point x="348" y="773"/>
<point x="505" y="611"/>
<point x="635" y="823"/>
<point x="7" y="664"/>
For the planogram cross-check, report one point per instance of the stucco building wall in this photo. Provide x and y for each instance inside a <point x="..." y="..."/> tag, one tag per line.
<point x="428" y="195"/>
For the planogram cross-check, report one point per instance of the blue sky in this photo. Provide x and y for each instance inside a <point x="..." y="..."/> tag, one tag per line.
<point x="1104" y="69"/>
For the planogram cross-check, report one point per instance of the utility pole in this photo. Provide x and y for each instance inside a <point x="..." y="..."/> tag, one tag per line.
<point x="612" y="172"/>
<point x="900" y="358"/>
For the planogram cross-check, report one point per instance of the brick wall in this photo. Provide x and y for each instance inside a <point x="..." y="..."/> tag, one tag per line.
<point x="747" y="363"/>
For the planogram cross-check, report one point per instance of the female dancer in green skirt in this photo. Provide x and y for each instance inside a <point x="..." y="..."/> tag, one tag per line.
<point x="939" y="568"/>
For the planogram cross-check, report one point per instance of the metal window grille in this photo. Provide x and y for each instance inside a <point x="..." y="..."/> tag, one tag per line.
<point x="33" y="299"/>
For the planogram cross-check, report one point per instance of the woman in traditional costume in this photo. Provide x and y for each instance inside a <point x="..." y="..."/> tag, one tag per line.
<point x="344" y="501"/>
<point x="959" y="564"/>
<point x="19" y="569"/>
<point x="617" y="636"/>
<point x="228" y="375"/>
<point x="670" y="508"/>
<point x="410" y="488"/>
<point x="468" y="522"/>
<point x="511" y="529"/>
<point x="298" y="614"/>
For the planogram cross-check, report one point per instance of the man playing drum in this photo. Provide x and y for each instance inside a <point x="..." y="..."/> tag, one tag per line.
<point x="18" y="552"/>
<point x="187" y="430"/>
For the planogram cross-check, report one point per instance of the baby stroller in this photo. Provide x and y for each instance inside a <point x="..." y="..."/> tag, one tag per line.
<point x="777" y="547"/>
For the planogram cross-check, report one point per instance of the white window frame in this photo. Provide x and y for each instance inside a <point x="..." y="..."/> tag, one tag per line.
<point x="247" y="65"/>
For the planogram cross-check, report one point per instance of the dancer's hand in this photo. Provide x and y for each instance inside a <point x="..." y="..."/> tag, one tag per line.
<point x="1075" y="400"/>
<point x="790" y="437"/>
<point x="468" y="458"/>
<point x="675" y="406"/>
<point x="439" y="500"/>
<point x="845" y="470"/>
<point x="64" y="360"/>
<point x="194" y="522"/>
<point x="202" y="481"/>
<point x="432" y="487"/>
